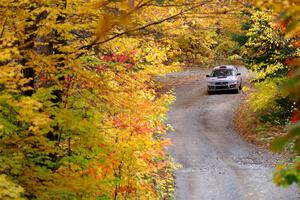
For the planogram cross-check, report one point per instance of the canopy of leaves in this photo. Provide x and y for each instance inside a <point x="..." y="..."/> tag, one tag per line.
<point x="79" y="114"/>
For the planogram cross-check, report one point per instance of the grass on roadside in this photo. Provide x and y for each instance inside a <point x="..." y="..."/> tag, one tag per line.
<point x="250" y="126"/>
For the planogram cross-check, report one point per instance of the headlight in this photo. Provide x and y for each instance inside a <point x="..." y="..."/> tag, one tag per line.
<point x="210" y="83"/>
<point x="233" y="82"/>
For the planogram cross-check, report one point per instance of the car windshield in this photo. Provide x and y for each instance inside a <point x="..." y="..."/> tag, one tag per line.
<point x="222" y="72"/>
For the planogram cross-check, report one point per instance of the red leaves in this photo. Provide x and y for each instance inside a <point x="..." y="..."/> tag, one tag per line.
<point x="293" y="64"/>
<point x="290" y="72"/>
<point x="296" y="117"/>
<point x="288" y="61"/>
<point x="124" y="58"/>
<point x="108" y="58"/>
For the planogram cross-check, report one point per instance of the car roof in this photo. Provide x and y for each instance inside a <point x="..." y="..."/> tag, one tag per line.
<point x="225" y="67"/>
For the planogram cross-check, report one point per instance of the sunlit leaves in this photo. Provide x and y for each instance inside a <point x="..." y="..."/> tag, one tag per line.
<point x="9" y="190"/>
<point x="265" y="49"/>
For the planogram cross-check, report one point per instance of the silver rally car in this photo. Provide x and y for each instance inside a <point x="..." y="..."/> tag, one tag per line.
<point x="224" y="77"/>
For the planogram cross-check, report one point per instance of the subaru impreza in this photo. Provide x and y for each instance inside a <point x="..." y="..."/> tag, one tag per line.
<point x="222" y="78"/>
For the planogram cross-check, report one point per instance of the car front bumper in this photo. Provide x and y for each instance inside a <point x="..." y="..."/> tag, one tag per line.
<point x="222" y="87"/>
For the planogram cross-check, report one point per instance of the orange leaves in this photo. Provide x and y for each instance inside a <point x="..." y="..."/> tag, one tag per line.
<point x="143" y="127"/>
<point x="127" y="189"/>
<point x="296" y="43"/>
<point x="105" y="25"/>
<point x="108" y="22"/>
<point x="137" y="125"/>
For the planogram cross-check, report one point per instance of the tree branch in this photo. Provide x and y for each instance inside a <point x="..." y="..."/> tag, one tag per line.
<point x="3" y="28"/>
<point x="139" y="6"/>
<point x="89" y="46"/>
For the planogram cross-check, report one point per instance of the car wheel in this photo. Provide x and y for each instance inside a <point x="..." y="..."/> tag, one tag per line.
<point x="240" y="87"/>
<point x="210" y="92"/>
<point x="237" y="91"/>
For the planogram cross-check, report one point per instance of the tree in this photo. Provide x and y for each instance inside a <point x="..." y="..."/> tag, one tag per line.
<point x="265" y="50"/>
<point x="280" y="66"/>
<point x="67" y="121"/>
<point x="80" y="117"/>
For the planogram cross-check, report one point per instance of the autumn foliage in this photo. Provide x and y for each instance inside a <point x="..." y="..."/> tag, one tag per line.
<point x="80" y="116"/>
<point x="271" y="49"/>
<point x="78" y="122"/>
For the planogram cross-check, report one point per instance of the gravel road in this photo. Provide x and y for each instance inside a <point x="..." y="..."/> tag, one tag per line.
<point x="217" y="163"/>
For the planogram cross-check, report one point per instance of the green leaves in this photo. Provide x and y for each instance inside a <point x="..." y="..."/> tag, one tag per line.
<point x="292" y="136"/>
<point x="273" y="55"/>
<point x="160" y="1"/>
<point x="288" y="174"/>
<point x="263" y="46"/>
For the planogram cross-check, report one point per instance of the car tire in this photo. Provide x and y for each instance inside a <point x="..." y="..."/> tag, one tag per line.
<point x="240" y="87"/>
<point x="237" y="91"/>
<point x="210" y="92"/>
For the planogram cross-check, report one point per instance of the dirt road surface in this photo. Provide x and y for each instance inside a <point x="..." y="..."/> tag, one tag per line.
<point x="217" y="164"/>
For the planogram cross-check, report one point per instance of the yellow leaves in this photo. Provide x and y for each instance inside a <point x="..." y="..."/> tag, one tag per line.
<point x="39" y="121"/>
<point x="9" y="190"/>
<point x="29" y="104"/>
<point x="5" y="55"/>
<point x="246" y="89"/>
<point x="278" y="178"/>
<point x="7" y="50"/>
<point x="7" y="73"/>
<point x="12" y="78"/>
<point x="264" y="95"/>
<point x="28" y="111"/>
<point x="121" y="45"/>
<point x="263" y="71"/>
<point x="1" y="127"/>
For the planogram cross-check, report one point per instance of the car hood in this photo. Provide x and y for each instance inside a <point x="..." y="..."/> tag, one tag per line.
<point x="218" y="79"/>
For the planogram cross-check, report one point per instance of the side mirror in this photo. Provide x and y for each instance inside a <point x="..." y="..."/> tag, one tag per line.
<point x="238" y="74"/>
<point x="207" y="76"/>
